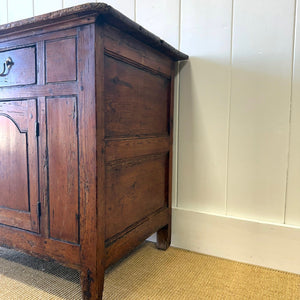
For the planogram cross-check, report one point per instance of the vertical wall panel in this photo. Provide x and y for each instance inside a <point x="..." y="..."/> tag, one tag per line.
<point x="43" y="7"/>
<point x="3" y="11"/>
<point x="19" y="9"/>
<point x="69" y="3"/>
<point x="126" y="7"/>
<point x="259" y="127"/>
<point x="204" y="98"/>
<point x="161" y="18"/>
<point x="293" y="192"/>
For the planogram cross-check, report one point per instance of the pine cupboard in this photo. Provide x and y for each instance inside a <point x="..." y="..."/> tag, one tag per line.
<point x="86" y="109"/>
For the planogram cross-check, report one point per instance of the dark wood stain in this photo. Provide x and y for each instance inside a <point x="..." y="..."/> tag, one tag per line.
<point x="86" y="115"/>
<point x="132" y="105"/>
<point x="134" y="190"/>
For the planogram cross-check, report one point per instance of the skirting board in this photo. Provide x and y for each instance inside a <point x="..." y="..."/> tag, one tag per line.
<point x="269" y="245"/>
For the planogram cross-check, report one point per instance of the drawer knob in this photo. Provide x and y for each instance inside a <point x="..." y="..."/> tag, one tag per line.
<point x="6" y="67"/>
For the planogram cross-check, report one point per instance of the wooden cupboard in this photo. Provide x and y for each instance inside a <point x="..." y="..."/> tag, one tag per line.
<point x="86" y="112"/>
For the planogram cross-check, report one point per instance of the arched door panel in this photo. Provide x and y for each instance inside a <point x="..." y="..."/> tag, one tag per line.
<point x="18" y="165"/>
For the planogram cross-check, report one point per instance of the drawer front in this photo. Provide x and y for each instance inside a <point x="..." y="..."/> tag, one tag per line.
<point x="20" y="69"/>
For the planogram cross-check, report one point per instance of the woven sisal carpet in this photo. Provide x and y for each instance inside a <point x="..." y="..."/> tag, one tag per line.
<point x="148" y="274"/>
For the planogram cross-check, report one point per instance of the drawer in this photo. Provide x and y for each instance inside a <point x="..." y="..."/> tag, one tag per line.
<point x="18" y="67"/>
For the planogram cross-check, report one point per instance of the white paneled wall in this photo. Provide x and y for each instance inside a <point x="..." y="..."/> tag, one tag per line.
<point x="293" y="199"/>
<point x="3" y="11"/>
<point x="161" y="18"/>
<point x="204" y="103"/>
<point x="237" y="137"/>
<point x="19" y="9"/>
<point x="260" y="108"/>
<point x="126" y="7"/>
<point x="41" y="6"/>
<point x="68" y="3"/>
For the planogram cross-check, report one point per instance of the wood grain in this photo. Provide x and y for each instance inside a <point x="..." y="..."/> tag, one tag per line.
<point x="132" y="106"/>
<point x="18" y="165"/>
<point x="124" y="243"/>
<point x="13" y="166"/>
<point x="116" y="149"/>
<point x="33" y="244"/>
<point x="63" y="168"/>
<point x="23" y="69"/>
<point x="61" y="60"/>
<point x="134" y="189"/>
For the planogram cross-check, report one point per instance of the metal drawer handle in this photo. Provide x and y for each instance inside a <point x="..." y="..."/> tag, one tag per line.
<point x="6" y="67"/>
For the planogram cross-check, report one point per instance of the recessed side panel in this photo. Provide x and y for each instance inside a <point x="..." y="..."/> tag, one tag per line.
<point x="136" y="100"/>
<point x="135" y="189"/>
<point x="62" y="143"/>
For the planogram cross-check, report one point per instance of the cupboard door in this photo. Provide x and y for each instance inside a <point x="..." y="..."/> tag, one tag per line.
<point x="19" y="165"/>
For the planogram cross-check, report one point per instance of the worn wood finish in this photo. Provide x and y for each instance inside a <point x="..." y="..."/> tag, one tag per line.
<point x="91" y="277"/>
<point x="116" y="149"/>
<point x="86" y="139"/>
<point x="61" y="67"/>
<point x="134" y="189"/>
<point x="51" y="89"/>
<point x="63" y="169"/>
<point x="23" y="70"/>
<point x="13" y="166"/>
<point x="135" y="51"/>
<point x="164" y="234"/>
<point x="136" y="234"/>
<point x="87" y="13"/>
<point x="65" y="253"/>
<point x="18" y="165"/>
<point x="141" y="109"/>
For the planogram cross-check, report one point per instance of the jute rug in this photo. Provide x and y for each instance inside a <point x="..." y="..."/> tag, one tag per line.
<point x="148" y="274"/>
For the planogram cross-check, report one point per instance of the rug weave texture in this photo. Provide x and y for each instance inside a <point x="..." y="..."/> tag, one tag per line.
<point x="148" y="274"/>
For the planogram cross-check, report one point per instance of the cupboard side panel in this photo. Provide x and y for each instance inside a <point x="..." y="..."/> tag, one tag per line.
<point x="134" y="190"/>
<point x="135" y="101"/>
<point x="137" y="104"/>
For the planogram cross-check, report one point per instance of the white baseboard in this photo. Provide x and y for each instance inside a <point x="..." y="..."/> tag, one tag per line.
<point x="270" y="245"/>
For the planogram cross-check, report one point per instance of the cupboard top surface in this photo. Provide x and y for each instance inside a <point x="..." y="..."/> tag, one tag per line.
<point x="102" y="13"/>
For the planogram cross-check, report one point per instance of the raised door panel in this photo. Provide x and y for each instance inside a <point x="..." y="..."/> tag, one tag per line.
<point x="62" y="67"/>
<point x="63" y="168"/>
<point x="13" y="160"/>
<point x="18" y="165"/>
